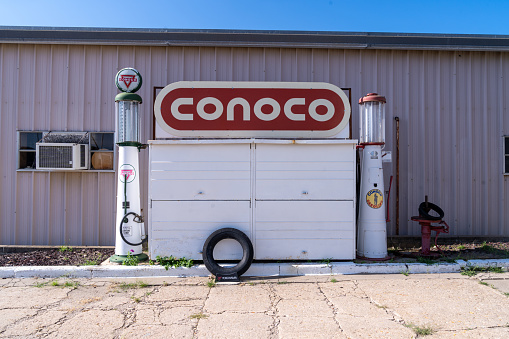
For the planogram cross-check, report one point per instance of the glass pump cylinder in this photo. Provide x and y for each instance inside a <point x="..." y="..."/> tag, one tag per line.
<point x="127" y="118"/>
<point x="372" y="119"/>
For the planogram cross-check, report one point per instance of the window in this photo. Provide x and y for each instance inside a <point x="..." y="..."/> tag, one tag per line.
<point x="101" y="147"/>
<point x="26" y="149"/>
<point x="506" y="155"/>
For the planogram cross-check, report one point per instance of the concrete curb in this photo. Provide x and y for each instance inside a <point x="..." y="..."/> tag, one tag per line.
<point x="256" y="270"/>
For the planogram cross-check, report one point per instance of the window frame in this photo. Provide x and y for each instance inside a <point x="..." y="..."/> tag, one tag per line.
<point x="90" y="139"/>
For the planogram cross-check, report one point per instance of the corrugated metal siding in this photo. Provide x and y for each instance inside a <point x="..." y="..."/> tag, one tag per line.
<point x="451" y="107"/>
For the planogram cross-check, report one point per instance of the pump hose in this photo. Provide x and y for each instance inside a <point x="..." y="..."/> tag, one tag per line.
<point x="124" y="219"/>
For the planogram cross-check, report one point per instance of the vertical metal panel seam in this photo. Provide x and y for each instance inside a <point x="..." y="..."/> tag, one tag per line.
<point x="455" y="163"/>
<point x="83" y="72"/>
<point x="471" y="172"/>
<point x="50" y="91"/>
<point x="485" y="215"/>
<point x="65" y="209"/>
<point x="500" y="119"/>
<point x="48" y="204"/>
<point x="409" y="184"/>
<point x="4" y="218"/>
<point x="438" y="172"/>
<point x="16" y="113"/>
<point x="31" y="218"/>
<point x="82" y="222"/>
<point x="34" y="79"/>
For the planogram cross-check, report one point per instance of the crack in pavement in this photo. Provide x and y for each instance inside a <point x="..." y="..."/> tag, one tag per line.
<point x="274" y="301"/>
<point x="335" y="310"/>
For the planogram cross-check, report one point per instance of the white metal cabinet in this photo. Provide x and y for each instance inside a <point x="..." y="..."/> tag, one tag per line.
<point x="295" y="199"/>
<point x="304" y="229"/>
<point x="200" y="172"/>
<point x="180" y="228"/>
<point x="304" y="172"/>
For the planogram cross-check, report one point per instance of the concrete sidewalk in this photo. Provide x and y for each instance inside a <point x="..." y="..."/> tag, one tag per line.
<point x="325" y="306"/>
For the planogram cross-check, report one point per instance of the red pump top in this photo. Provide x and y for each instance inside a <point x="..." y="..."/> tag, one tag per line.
<point x="372" y="97"/>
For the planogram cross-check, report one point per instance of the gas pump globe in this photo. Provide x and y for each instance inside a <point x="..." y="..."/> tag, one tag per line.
<point x="129" y="226"/>
<point x="371" y="225"/>
<point x="128" y="121"/>
<point x="372" y="119"/>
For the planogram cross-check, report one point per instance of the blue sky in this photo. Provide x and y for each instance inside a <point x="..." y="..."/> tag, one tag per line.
<point x="432" y="16"/>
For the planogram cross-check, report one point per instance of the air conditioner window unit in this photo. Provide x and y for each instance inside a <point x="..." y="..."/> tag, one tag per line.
<point x="62" y="156"/>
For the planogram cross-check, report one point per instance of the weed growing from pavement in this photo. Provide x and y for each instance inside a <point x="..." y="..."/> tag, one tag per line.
<point x="211" y="283"/>
<point x="198" y="316"/>
<point x="333" y="280"/>
<point x="405" y="273"/>
<point x="71" y="284"/>
<point x="470" y="271"/>
<point x="327" y="261"/>
<point x="421" y="330"/>
<point x="427" y="261"/>
<point x="55" y="283"/>
<point x="131" y="259"/>
<point x="129" y="286"/>
<point x="171" y="261"/>
<point x="65" y="249"/>
<point x="136" y="299"/>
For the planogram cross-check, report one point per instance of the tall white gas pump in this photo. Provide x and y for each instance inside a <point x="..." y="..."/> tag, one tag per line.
<point x="129" y="226"/>
<point x="371" y="226"/>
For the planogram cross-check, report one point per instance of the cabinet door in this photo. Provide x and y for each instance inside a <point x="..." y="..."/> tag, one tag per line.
<point x="305" y="172"/>
<point x="200" y="172"/>
<point x="304" y="230"/>
<point x="180" y="228"/>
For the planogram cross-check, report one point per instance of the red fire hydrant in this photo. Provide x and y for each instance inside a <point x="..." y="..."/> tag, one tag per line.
<point x="426" y="220"/>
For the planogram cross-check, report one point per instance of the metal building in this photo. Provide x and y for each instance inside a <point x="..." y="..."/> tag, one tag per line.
<point x="448" y="92"/>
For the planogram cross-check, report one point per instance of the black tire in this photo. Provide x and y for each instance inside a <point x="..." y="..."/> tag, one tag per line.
<point x="424" y="211"/>
<point x="227" y="233"/>
<point x="122" y="234"/>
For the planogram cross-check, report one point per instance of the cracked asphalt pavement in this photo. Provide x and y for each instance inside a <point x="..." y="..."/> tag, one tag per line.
<point x="340" y="306"/>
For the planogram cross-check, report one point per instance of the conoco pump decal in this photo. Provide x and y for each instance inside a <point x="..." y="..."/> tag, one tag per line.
<point x="252" y="109"/>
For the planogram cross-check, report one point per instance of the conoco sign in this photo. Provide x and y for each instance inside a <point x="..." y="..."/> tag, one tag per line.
<point x="252" y="109"/>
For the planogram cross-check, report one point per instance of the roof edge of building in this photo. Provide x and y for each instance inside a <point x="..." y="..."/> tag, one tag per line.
<point x="251" y="38"/>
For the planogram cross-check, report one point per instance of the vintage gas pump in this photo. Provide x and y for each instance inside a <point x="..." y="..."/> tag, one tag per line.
<point x="129" y="226"/>
<point x="371" y="225"/>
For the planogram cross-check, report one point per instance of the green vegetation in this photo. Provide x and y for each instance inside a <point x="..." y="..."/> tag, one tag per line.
<point x="71" y="284"/>
<point x="198" y="316"/>
<point x="334" y="280"/>
<point x="211" y="283"/>
<point x="426" y="260"/>
<point x="129" y="286"/>
<point x="65" y="249"/>
<point x="131" y="259"/>
<point x="421" y="331"/>
<point x="171" y="261"/>
<point x="473" y="270"/>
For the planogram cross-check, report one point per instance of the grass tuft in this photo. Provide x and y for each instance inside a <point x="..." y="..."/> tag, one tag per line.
<point x="421" y="330"/>
<point x="198" y="316"/>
